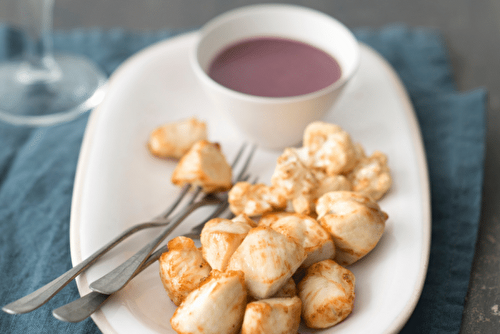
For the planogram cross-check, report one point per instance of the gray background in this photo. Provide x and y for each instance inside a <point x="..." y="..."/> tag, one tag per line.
<point x="471" y="29"/>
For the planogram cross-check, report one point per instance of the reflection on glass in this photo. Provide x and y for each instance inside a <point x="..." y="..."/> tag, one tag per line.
<point x="42" y="87"/>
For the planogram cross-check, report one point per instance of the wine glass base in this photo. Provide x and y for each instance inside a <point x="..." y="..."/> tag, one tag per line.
<point x="75" y="87"/>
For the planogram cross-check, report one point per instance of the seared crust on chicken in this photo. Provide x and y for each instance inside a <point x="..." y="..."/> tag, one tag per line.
<point x="327" y="294"/>
<point x="173" y="140"/>
<point x="204" y="165"/>
<point x="182" y="268"/>
<point x="302" y="184"/>
<point x="289" y="289"/>
<point x="221" y="237"/>
<point x="255" y="199"/>
<point x="217" y="306"/>
<point x="268" y="259"/>
<point x="272" y="316"/>
<point x="317" y="242"/>
<point x="327" y="183"/>
<point x="355" y="222"/>
<point x="371" y="176"/>
<point x="330" y="148"/>
<point x="295" y="180"/>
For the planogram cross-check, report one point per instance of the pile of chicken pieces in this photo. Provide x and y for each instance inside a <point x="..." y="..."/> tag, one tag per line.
<point x="282" y="258"/>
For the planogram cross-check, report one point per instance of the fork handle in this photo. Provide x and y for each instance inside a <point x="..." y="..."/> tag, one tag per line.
<point x="82" y="308"/>
<point x="39" y="297"/>
<point x="120" y="276"/>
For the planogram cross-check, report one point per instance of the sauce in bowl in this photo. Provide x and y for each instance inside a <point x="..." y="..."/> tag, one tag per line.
<point x="274" y="67"/>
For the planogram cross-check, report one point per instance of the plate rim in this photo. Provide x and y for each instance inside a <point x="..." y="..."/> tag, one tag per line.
<point x="418" y="145"/>
<point x="425" y="192"/>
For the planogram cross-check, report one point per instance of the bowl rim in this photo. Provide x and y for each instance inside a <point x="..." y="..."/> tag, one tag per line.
<point x="246" y="10"/>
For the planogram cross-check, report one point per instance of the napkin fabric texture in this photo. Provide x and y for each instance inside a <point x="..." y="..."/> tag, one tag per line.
<point x="37" y="170"/>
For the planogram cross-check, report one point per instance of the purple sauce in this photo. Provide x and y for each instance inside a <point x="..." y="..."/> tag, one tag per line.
<point x="274" y="67"/>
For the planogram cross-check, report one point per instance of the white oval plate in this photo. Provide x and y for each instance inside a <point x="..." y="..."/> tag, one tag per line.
<point x="118" y="183"/>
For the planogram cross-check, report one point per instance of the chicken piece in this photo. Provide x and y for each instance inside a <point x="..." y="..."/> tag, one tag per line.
<point x="306" y="231"/>
<point x="182" y="268"/>
<point x="302" y="184"/>
<point x="328" y="183"/>
<point x="330" y="148"/>
<point x="372" y="176"/>
<point x="295" y="180"/>
<point x="255" y="199"/>
<point x="327" y="294"/>
<point x="204" y="165"/>
<point x="272" y="316"/>
<point x="360" y="151"/>
<point x="268" y="259"/>
<point x="355" y="222"/>
<point x="289" y="289"/>
<point x="173" y="140"/>
<point x="217" y="306"/>
<point x="221" y="237"/>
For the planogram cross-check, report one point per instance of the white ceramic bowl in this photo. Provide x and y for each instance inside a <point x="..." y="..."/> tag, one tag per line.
<point x="274" y="122"/>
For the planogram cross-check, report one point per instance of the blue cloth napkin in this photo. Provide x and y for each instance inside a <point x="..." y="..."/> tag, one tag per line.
<point x="37" y="169"/>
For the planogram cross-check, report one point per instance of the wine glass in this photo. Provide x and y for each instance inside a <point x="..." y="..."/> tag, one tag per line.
<point x="44" y="88"/>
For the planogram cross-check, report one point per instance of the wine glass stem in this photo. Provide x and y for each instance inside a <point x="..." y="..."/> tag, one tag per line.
<point x="39" y="63"/>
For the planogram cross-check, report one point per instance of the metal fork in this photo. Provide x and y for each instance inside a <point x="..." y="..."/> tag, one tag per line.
<point x="117" y="278"/>
<point x="41" y="296"/>
<point x="83" y="307"/>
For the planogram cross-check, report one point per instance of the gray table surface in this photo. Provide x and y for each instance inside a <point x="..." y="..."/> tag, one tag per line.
<point x="472" y="32"/>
